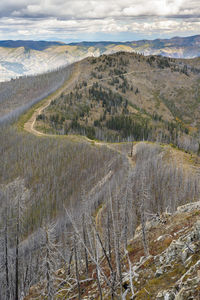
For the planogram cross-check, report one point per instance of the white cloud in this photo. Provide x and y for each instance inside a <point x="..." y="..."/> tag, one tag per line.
<point x="80" y="9"/>
<point x="68" y="17"/>
<point x="154" y="8"/>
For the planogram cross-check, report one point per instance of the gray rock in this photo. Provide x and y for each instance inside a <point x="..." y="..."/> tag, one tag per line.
<point x="165" y="295"/>
<point x="161" y="259"/>
<point x="174" y="250"/>
<point x="159" y="272"/>
<point x="184" y="255"/>
<point x="169" y="296"/>
<point x="142" y="258"/>
<point x="188" y="207"/>
<point x="197" y="229"/>
<point x="161" y="295"/>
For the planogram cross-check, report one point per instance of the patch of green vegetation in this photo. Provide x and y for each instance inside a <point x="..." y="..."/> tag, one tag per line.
<point x="160" y="283"/>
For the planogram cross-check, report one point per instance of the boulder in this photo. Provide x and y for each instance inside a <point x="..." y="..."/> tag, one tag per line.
<point x="184" y="255"/>
<point x="160" y="295"/>
<point x="174" y="250"/>
<point x="165" y="295"/>
<point x="197" y="229"/>
<point x="188" y="207"/>
<point x="169" y="295"/>
<point x="159" y="272"/>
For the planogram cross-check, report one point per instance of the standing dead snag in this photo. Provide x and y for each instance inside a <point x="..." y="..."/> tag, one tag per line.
<point x="132" y="145"/>
<point x="97" y="270"/>
<point x="17" y="255"/>
<point x="92" y="256"/>
<point x="22" y="195"/>
<point x="70" y="261"/>
<point x="130" y="273"/>
<point x="85" y="242"/>
<point x="144" y="198"/>
<point x="49" y="259"/>
<point x="4" y="249"/>
<point x="76" y="266"/>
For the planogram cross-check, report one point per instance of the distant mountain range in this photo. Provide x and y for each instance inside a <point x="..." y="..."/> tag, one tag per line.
<point x="35" y="45"/>
<point x="18" y="58"/>
<point x="176" y="47"/>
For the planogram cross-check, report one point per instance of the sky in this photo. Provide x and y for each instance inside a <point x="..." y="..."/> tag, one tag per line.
<point x="95" y="20"/>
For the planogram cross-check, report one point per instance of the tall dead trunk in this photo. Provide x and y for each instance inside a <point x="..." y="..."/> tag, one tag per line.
<point x="76" y="266"/>
<point x="17" y="258"/>
<point x="85" y="251"/>
<point x="6" y="256"/>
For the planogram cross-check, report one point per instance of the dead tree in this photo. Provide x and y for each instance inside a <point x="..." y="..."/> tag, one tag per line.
<point x="76" y="266"/>
<point x="144" y="197"/>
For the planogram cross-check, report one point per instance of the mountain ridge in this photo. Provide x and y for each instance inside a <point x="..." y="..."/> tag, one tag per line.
<point x="35" y="57"/>
<point x="176" y="38"/>
<point x="36" y="45"/>
<point x="28" y="44"/>
<point x="126" y="96"/>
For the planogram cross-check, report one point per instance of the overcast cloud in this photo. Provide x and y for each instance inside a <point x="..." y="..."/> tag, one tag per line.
<point x="98" y="19"/>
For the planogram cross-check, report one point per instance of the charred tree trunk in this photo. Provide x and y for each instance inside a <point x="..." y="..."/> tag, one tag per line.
<point x="76" y="266"/>
<point x="6" y="257"/>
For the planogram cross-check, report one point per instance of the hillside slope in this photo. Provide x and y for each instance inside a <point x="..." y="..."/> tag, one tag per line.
<point x="129" y="96"/>
<point x="171" y="271"/>
<point x="87" y="219"/>
<point x="171" y="266"/>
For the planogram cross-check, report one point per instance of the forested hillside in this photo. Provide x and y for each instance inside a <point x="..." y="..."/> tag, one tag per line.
<point x="89" y="191"/>
<point x="124" y="97"/>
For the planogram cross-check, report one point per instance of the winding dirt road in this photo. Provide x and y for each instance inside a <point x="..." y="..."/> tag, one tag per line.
<point x="29" y="125"/>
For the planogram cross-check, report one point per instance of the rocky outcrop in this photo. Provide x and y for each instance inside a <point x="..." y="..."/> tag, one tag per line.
<point x="188" y="207"/>
<point x="175" y="272"/>
<point x="170" y="272"/>
<point x="184" y="252"/>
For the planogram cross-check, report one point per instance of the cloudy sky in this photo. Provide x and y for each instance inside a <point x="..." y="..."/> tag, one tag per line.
<point x="117" y="20"/>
